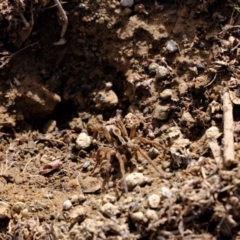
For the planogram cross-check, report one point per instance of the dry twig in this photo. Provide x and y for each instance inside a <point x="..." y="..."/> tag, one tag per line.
<point x="228" y="139"/>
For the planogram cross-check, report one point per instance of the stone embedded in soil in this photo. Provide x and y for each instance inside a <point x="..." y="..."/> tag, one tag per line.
<point x="49" y="126"/>
<point x="187" y="118"/>
<point x="127" y="3"/>
<point x="172" y="46"/>
<point x="18" y="207"/>
<point x="166" y="192"/>
<point x="166" y="94"/>
<point x="78" y="214"/>
<point x="110" y="210"/>
<point x="151" y="214"/>
<point x="106" y="100"/>
<point x="162" y="72"/>
<point x="36" y="101"/>
<point x="67" y="205"/>
<point x="161" y="112"/>
<point x="83" y="141"/>
<point x="137" y="216"/>
<point x="182" y="88"/>
<point x="4" y="210"/>
<point x="153" y="152"/>
<point x="153" y="67"/>
<point x="153" y="200"/>
<point x="136" y="178"/>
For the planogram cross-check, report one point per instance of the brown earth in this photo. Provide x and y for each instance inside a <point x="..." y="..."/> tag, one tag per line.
<point x="129" y="130"/>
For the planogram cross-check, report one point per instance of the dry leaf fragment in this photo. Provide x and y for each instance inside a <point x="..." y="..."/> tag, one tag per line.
<point x="49" y="167"/>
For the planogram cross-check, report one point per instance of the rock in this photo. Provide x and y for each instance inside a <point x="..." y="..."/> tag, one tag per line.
<point x="127" y="3"/>
<point x="127" y="11"/>
<point x="18" y="207"/>
<point x="67" y="205"/>
<point x="109" y="209"/>
<point x="36" y="101"/>
<point x="172" y="46"/>
<point x="153" y="200"/>
<point x="4" y="210"/>
<point x="152" y="68"/>
<point x="83" y="141"/>
<point x="166" y="94"/>
<point x="49" y="126"/>
<point x="161" y="72"/>
<point x="161" y="112"/>
<point x="151" y="214"/>
<point x="153" y="152"/>
<point x="78" y="214"/>
<point x="76" y="124"/>
<point x="187" y="118"/>
<point x="91" y="184"/>
<point x="182" y="88"/>
<point x="86" y="164"/>
<point x="166" y="192"/>
<point x="136" y="178"/>
<point x="106" y="99"/>
<point x="137" y="216"/>
<point x="77" y="199"/>
<point x="109" y="198"/>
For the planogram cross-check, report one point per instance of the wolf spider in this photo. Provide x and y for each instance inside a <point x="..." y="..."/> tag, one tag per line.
<point x="121" y="143"/>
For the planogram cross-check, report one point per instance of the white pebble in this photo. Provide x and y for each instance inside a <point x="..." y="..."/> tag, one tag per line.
<point x="172" y="46"/>
<point x="151" y="214"/>
<point x="127" y="3"/>
<point x="110" y="210"/>
<point x="153" y="200"/>
<point x="136" y="178"/>
<point x="137" y="216"/>
<point x="166" y="192"/>
<point x="166" y="94"/>
<point x="83" y="141"/>
<point x="161" y="72"/>
<point x="67" y="205"/>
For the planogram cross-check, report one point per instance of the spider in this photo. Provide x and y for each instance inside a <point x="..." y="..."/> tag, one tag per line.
<point x="122" y="143"/>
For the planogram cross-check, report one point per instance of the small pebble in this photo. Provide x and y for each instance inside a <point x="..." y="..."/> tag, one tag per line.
<point x="110" y="210"/>
<point x="109" y="198"/>
<point x="137" y="216"/>
<point x="166" y="192"/>
<point x="77" y="214"/>
<point x="153" y="200"/>
<point x="49" y="126"/>
<point x="5" y="211"/>
<point x="182" y="88"/>
<point x="172" y="46"/>
<point x="152" y="68"/>
<point x="83" y="141"/>
<point x="153" y="152"/>
<point x="151" y="214"/>
<point x="101" y="20"/>
<point x="166" y="94"/>
<point x="127" y="3"/>
<point x="136" y="178"/>
<point x="18" y="207"/>
<point x="161" y="72"/>
<point x="67" y="205"/>
<point x="161" y="112"/>
<point x="86" y="164"/>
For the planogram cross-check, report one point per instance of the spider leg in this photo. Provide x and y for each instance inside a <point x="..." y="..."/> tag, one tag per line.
<point x="145" y="140"/>
<point x="105" y="150"/>
<point x="137" y="148"/>
<point x="122" y="159"/>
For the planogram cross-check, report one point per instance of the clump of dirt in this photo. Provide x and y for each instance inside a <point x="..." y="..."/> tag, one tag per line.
<point x="119" y="119"/>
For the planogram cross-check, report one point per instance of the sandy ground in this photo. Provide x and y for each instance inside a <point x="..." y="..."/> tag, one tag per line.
<point x="126" y="126"/>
